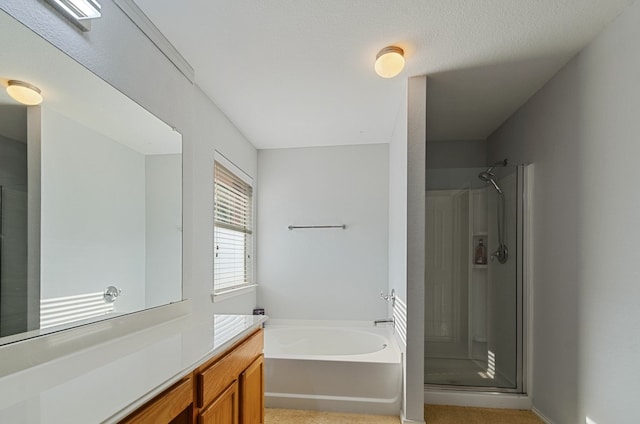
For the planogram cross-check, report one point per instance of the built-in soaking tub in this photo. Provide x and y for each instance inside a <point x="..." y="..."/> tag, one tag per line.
<point x="332" y="366"/>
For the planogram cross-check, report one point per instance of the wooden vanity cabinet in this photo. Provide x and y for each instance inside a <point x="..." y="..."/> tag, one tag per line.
<point x="233" y="382"/>
<point x="227" y="389"/>
<point x="174" y="406"/>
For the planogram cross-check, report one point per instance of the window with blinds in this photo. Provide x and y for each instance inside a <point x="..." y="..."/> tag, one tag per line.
<point x="233" y="229"/>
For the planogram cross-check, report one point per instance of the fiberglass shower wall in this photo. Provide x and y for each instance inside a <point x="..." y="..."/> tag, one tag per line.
<point x="471" y="310"/>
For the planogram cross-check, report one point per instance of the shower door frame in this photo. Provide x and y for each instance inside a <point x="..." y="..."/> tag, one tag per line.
<point x="523" y="294"/>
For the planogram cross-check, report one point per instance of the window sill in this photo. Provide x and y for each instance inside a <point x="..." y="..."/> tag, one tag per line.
<point x="229" y="293"/>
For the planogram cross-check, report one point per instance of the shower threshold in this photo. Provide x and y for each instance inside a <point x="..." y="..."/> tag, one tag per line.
<point x="474" y="389"/>
<point x="462" y="372"/>
<point x="481" y="397"/>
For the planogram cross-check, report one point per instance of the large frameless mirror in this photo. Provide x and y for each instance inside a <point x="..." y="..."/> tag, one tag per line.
<point x="90" y="196"/>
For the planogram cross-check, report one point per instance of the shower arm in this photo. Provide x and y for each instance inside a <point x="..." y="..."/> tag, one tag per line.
<point x="498" y="163"/>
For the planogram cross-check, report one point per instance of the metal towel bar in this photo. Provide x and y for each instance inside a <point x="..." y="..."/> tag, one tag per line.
<point x="297" y="227"/>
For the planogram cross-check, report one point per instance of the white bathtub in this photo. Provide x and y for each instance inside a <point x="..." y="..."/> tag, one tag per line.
<point x="332" y="366"/>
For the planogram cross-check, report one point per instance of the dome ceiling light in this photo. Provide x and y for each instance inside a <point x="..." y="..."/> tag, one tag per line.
<point x="24" y="92"/>
<point x="389" y="61"/>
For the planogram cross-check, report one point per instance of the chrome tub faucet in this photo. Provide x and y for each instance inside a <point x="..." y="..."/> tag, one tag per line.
<point x="391" y="321"/>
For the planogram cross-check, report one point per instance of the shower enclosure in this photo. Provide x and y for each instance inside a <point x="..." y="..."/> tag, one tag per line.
<point x="13" y="259"/>
<point x="473" y="278"/>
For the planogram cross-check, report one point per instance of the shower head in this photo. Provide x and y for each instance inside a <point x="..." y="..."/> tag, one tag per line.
<point x="489" y="177"/>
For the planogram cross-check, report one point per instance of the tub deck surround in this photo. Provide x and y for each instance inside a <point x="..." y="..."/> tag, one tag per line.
<point x="107" y="382"/>
<point x="342" y="366"/>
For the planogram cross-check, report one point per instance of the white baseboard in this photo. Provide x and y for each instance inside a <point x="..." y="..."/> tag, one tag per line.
<point x="477" y="399"/>
<point x="541" y="415"/>
<point x="343" y="404"/>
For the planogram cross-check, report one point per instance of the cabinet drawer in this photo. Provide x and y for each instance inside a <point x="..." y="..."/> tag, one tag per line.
<point x="166" y="406"/>
<point x="214" y="379"/>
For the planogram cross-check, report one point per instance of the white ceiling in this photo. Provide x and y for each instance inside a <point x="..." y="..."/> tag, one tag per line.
<point x="291" y="73"/>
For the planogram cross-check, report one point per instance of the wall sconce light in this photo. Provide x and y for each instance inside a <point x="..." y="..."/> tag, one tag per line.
<point x="389" y="61"/>
<point x="79" y="12"/>
<point x="24" y="92"/>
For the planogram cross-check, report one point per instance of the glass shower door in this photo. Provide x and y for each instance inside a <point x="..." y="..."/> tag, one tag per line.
<point x="473" y="323"/>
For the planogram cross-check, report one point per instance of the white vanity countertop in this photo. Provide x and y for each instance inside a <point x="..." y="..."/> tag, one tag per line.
<point x="107" y="382"/>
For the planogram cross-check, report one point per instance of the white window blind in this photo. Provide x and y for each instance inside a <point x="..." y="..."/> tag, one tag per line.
<point x="233" y="231"/>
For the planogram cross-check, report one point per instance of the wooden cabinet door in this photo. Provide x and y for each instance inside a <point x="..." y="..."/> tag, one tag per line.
<point x="224" y="409"/>
<point x="213" y="379"/>
<point x="172" y="406"/>
<point x="252" y="393"/>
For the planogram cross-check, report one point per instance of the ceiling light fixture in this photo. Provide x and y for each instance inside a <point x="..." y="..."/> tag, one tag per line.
<point x="79" y="12"/>
<point x="389" y="61"/>
<point x="24" y="92"/>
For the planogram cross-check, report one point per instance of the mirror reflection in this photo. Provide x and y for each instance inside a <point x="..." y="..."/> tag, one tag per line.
<point x="90" y="196"/>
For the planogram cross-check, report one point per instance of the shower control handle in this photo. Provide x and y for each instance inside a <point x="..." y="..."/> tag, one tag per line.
<point x="501" y="253"/>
